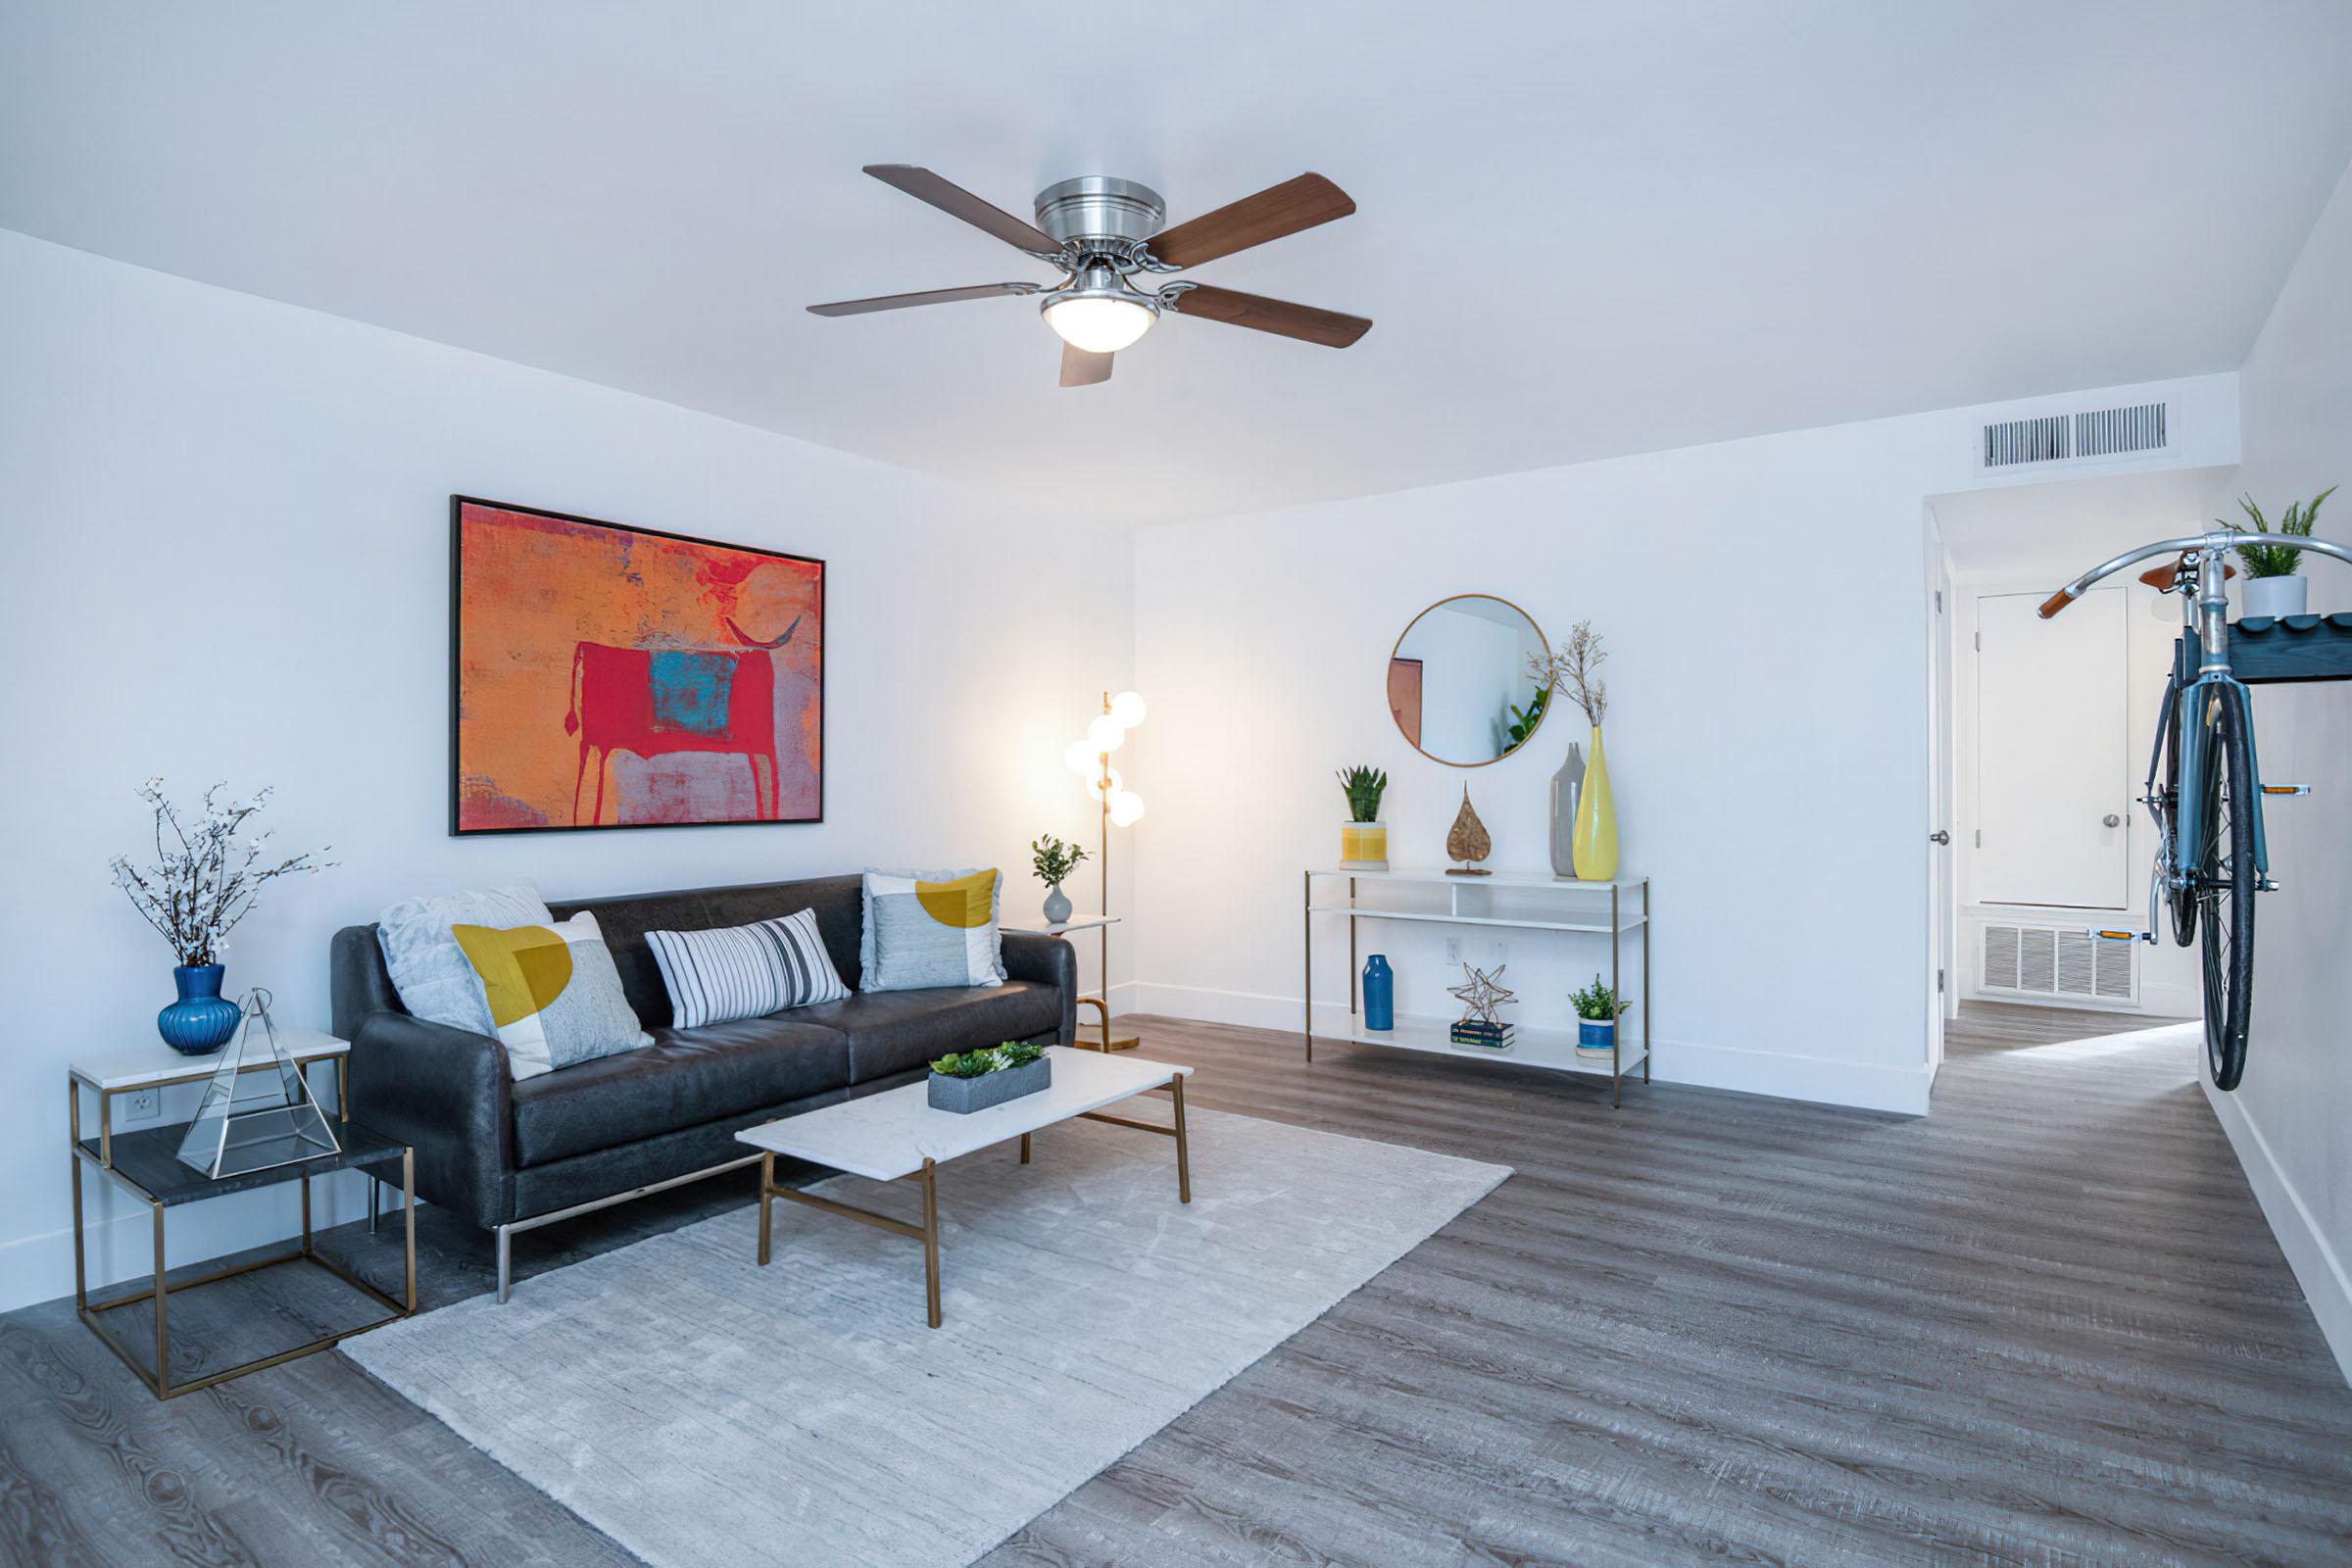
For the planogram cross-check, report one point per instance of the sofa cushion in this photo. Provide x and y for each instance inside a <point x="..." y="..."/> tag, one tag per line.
<point x="626" y="920"/>
<point x="685" y="1077"/>
<point x="891" y="1031"/>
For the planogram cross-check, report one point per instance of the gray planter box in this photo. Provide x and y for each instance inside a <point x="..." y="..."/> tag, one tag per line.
<point x="961" y="1095"/>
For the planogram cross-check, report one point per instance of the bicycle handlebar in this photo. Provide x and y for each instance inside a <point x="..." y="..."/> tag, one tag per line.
<point x="2200" y="542"/>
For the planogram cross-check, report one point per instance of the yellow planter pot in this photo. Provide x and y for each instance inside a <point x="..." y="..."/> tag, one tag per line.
<point x="1364" y="846"/>
<point x="1595" y="818"/>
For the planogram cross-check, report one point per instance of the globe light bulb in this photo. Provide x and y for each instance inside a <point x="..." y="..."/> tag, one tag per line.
<point x="1128" y="709"/>
<point x="1126" y="808"/>
<point x="1104" y="734"/>
<point x="1082" y="759"/>
<point x="1096" y="325"/>
<point x="1094" y="784"/>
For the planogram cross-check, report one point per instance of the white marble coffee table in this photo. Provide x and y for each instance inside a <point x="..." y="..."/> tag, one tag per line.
<point x="896" y="1136"/>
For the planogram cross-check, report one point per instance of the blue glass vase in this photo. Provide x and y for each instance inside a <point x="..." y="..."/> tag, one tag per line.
<point x="1380" y="994"/>
<point x="201" y="1021"/>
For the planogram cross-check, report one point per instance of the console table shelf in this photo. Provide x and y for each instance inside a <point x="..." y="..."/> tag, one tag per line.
<point x="1613" y="909"/>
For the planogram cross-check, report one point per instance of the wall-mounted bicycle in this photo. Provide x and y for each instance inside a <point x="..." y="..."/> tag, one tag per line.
<point x="2204" y="787"/>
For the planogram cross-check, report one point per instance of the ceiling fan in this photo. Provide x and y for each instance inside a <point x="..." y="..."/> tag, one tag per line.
<point x="1101" y="233"/>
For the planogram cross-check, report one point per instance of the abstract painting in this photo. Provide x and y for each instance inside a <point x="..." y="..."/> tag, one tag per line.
<point x="609" y="677"/>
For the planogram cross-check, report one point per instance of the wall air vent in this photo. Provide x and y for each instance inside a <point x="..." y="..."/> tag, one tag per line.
<point x="2059" y="963"/>
<point x="2068" y="437"/>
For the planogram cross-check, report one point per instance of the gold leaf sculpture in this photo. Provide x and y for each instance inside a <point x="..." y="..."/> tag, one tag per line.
<point x="1468" y="841"/>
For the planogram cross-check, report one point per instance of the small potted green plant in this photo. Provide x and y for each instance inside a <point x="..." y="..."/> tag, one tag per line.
<point x="974" y="1080"/>
<point x="1597" y="1009"/>
<point x="2274" y="585"/>
<point x="1054" y="861"/>
<point x="1364" y="838"/>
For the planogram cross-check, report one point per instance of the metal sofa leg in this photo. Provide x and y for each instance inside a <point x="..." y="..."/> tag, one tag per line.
<point x="375" y="1201"/>
<point x="505" y="1263"/>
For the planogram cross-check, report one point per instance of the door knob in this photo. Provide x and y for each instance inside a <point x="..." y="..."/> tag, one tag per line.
<point x="2110" y="819"/>
<point x="1940" y="836"/>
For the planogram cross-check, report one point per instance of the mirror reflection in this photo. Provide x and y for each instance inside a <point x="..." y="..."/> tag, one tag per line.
<point x="1459" y="680"/>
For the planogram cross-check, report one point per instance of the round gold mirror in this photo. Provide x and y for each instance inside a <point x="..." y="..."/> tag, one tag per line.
<point x="1459" y="685"/>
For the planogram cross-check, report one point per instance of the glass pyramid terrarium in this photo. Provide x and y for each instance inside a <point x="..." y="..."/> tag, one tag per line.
<point x="258" y="1111"/>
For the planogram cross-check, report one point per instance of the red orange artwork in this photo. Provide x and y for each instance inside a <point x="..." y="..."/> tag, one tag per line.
<point x="609" y="677"/>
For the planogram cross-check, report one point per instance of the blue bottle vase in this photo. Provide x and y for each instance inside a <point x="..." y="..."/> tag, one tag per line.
<point x="201" y="1021"/>
<point x="1380" y="994"/>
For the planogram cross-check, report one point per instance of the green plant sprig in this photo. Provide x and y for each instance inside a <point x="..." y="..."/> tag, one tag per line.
<point x="994" y="1058"/>
<point x="1598" y="1003"/>
<point x="2278" y="561"/>
<point x="1054" y="858"/>
<point x="1525" y="720"/>
<point x="1364" y="786"/>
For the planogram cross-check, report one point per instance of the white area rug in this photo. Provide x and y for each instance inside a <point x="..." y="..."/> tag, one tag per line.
<point x="702" y="1411"/>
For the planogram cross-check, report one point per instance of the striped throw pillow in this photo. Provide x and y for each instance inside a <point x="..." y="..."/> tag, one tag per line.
<point x="744" y="971"/>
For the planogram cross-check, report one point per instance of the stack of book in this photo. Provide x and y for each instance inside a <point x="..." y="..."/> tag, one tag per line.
<point x="1479" y="1032"/>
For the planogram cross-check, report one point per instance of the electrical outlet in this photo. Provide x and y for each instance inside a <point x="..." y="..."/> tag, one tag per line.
<point x="1453" y="949"/>
<point x="142" y="1104"/>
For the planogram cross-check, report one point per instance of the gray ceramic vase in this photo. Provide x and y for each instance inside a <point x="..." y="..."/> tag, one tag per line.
<point x="1058" y="904"/>
<point x="1567" y="785"/>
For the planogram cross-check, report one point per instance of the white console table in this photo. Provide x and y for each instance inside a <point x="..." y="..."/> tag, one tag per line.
<point x="1613" y="909"/>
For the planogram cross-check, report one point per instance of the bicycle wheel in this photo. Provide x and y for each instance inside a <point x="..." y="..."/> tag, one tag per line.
<point x="2226" y="881"/>
<point x="2180" y="898"/>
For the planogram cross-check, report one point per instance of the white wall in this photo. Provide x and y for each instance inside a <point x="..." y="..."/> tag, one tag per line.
<point x="1764" y="611"/>
<point x="227" y="558"/>
<point x="2290" y="1118"/>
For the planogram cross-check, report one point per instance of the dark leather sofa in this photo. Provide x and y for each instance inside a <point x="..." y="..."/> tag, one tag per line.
<point x="508" y="1156"/>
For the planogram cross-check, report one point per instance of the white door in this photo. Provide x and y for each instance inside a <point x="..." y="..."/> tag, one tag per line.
<point x="2053" y="780"/>
<point x="1943" y="988"/>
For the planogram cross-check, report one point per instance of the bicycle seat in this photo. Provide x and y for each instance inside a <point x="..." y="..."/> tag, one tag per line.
<point x="2163" y="577"/>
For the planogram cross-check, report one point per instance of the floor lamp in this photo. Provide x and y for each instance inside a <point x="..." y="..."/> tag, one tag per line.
<point x="1121" y="806"/>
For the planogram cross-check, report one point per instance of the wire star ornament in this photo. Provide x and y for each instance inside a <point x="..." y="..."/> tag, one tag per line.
<point x="1479" y="993"/>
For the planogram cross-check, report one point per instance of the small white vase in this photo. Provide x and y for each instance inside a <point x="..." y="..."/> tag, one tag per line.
<point x="2274" y="596"/>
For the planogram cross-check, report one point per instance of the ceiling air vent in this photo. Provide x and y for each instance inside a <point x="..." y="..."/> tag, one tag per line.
<point x="2063" y="437"/>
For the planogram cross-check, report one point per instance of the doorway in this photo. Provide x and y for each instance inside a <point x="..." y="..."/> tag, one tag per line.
<point x="2040" y="734"/>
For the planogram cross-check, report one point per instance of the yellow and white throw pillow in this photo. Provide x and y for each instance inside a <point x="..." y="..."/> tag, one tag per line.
<point x="555" y="998"/>
<point x="930" y="928"/>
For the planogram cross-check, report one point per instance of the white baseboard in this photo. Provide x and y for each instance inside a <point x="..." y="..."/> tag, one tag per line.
<point x="1822" y="1080"/>
<point x="2318" y="1269"/>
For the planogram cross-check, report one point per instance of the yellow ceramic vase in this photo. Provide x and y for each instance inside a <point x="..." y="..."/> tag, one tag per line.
<point x="1595" y="818"/>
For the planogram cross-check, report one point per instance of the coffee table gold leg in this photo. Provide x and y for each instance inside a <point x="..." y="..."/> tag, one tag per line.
<point x="1184" y="1162"/>
<point x="1024" y="1149"/>
<point x="931" y="1238"/>
<point x="768" y="1189"/>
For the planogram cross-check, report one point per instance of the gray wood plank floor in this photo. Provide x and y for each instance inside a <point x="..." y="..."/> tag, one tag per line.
<point x="2046" y="1325"/>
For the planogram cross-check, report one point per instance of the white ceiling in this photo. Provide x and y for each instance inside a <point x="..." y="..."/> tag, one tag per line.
<point x="2057" y="530"/>
<point x="1585" y="231"/>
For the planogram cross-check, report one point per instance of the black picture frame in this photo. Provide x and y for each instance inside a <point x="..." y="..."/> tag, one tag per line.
<point x="457" y="631"/>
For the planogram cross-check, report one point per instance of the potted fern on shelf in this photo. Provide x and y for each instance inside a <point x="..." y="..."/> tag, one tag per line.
<point x="2274" y="583"/>
<point x="1597" y="1009"/>
<point x="1363" y="838"/>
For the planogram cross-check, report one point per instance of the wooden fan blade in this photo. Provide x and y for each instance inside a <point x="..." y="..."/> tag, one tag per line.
<point x="1272" y="213"/>
<point x="957" y="202"/>
<point x="1081" y="368"/>
<point x="1304" y="322"/>
<point x="930" y="296"/>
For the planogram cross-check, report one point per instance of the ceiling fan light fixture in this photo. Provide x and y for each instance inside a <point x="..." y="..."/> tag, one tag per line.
<point x="1100" y="313"/>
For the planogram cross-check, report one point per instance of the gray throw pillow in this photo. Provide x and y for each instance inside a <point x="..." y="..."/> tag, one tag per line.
<point x="429" y="970"/>
<point x="927" y="929"/>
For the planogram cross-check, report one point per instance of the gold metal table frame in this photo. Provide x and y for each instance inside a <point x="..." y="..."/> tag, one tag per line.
<point x="927" y="1180"/>
<point x="160" y="1290"/>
